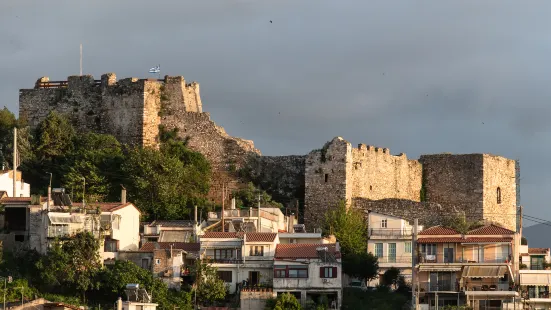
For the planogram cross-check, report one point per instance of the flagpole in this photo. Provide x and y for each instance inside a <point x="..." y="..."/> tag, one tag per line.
<point x="80" y="59"/>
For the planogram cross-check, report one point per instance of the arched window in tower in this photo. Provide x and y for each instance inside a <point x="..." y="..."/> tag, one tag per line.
<point x="498" y="194"/>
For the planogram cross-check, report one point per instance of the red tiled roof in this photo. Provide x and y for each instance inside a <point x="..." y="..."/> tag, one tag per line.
<point x="462" y="240"/>
<point x="491" y="230"/>
<point x="186" y="246"/>
<point x="260" y="237"/>
<point x="537" y="250"/>
<point x="251" y="236"/>
<point x="439" y="230"/>
<point x="303" y="250"/>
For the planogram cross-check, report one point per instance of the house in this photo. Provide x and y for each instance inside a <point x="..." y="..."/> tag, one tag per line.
<point x="42" y="304"/>
<point x="263" y="219"/>
<point x="169" y="231"/>
<point x="390" y="239"/>
<point x="477" y="268"/>
<point x="309" y="271"/>
<point x="243" y="259"/>
<point x="535" y="277"/>
<point x="296" y="233"/>
<point x="22" y="189"/>
<point x="21" y="223"/>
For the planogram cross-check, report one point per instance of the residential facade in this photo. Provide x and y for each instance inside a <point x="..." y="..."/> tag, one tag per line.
<point x="263" y="219"/>
<point x="242" y="259"/>
<point x="535" y="277"/>
<point x="478" y="268"/>
<point x="390" y="239"/>
<point x="169" y="231"/>
<point x="309" y="272"/>
<point x="22" y="189"/>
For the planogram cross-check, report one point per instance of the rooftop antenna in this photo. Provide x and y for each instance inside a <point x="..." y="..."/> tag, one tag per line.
<point x="80" y="59"/>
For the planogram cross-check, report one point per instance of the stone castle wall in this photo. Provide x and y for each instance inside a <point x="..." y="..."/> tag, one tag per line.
<point x="370" y="177"/>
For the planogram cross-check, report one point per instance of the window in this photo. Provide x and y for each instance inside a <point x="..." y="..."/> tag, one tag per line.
<point x="391" y="252"/>
<point x="407" y="247"/>
<point x="226" y="253"/>
<point x="379" y="249"/>
<point x="498" y="194"/>
<point x="326" y="177"/>
<point x="111" y="246"/>
<point x="428" y="249"/>
<point x="226" y="276"/>
<point x="328" y="272"/>
<point x="157" y="261"/>
<point x="145" y="263"/>
<point x="291" y="272"/>
<point x="370" y="187"/>
<point x="257" y="250"/>
<point x="384" y="223"/>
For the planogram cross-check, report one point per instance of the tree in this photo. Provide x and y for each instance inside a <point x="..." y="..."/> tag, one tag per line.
<point x="71" y="265"/>
<point x="54" y="137"/>
<point x="363" y="266"/>
<point x="210" y="287"/>
<point x="460" y="223"/>
<point x="167" y="183"/>
<point x="391" y="277"/>
<point x="7" y="123"/>
<point x="248" y="197"/>
<point x="349" y="227"/>
<point x="285" y="301"/>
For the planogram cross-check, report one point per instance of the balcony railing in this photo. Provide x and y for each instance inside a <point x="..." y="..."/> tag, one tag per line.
<point x="398" y="260"/>
<point x="65" y="232"/>
<point x="441" y="259"/>
<point x="227" y="260"/>
<point x="440" y="286"/>
<point x="390" y="232"/>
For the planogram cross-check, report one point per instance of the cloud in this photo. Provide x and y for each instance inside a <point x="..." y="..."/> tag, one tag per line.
<point x="417" y="77"/>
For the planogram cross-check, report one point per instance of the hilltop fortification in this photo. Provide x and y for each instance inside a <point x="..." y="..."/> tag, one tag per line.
<point x="133" y="110"/>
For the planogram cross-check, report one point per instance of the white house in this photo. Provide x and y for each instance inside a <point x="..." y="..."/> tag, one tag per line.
<point x="6" y="184"/>
<point x="535" y="278"/>
<point x="309" y="271"/>
<point x="390" y="239"/>
<point x="242" y="259"/>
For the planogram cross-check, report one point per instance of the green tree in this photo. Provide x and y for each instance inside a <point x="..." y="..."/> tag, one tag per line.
<point x="248" y="197"/>
<point x="71" y="265"/>
<point x="210" y="288"/>
<point x="7" y="123"/>
<point x="54" y="137"/>
<point x="167" y="183"/>
<point x="363" y="266"/>
<point x="349" y="227"/>
<point x="391" y="277"/>
<point x="285" y="301"/>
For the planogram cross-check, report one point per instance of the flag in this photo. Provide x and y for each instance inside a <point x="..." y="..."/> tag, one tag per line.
<point x="156" y="69"/>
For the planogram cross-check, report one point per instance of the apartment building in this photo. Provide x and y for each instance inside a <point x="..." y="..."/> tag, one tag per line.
<point x="243" y="259"/>
<point x="310" y="272"/>
<point x="263" y="219"/>
<point x="390" y="239"/>
<point x="169" y="231"/>
<point x="477" y="268"/>
<point x="535" y="277"/>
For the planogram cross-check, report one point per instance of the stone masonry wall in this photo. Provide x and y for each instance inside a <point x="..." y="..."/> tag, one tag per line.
<point x="377" y="174"/>
<point x="326" y="180"/>
<point x="499" y="172"/>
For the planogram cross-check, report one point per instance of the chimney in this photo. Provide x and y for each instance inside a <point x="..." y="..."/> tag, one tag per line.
<point x="123" y="195"/>
<point x="291" y="223"/>
<point x="119" y="304"/>
<point x="195" y="223"/>
<point x="233" y="203"/>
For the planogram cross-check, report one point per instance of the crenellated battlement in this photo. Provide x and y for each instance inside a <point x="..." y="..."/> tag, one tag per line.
<point x="129" y="108"/>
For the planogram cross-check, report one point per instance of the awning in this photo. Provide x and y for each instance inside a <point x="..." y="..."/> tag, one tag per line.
<point x="484" y="271"/>
<point x="535" y="279"/>
<point x="58" y="219"/>
<point x="439" y="268"/>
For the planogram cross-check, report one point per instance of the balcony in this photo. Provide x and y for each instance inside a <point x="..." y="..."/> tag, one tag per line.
<point x="65" y="232"/>
<point x="440" y="258"/>
<point x="390" y="233"/>
<point x="394" y="260"/>
<point x="440" y="286"/>
<point x="226" y="260"/>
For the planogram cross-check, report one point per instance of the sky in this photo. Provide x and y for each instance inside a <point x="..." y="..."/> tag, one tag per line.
<point x="417" y="77"/>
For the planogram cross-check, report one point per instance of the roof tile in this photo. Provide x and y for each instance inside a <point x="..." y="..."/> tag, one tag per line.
<point x="491" y="230"/>
<point x="173" y="223"/>
<point x="303" y="250"/>
<point x="260" y="237"/>
<point x="439" y="230"/>
<point x="462" y="240"/>
<point x="537" y="250"/>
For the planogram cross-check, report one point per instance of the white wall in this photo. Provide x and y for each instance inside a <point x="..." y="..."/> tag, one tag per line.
<point x="6" y="184"/>
<point x="375" y="220"/>
<point x="242" y="273"/>
<point x="128" y="233"/>
<point x="313" y="281"/>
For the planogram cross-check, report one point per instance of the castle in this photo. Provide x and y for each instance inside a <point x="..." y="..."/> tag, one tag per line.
<point x="481" y="186"/>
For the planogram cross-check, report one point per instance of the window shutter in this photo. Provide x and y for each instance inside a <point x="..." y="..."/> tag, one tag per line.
<point x="321" y="272"/>
<point x="334" y="272"/>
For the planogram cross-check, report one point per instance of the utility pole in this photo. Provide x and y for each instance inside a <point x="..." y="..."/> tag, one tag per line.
<point x="223" y="200"/>
<point x="80" y="59"/>
<point x="83" y="193"/>
<point x="14" y="161"/>
<point x="414" y="276"/>
<point x="297" y="213"/>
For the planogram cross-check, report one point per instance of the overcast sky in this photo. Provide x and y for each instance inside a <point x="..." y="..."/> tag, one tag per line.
<point x="417" y="77"/>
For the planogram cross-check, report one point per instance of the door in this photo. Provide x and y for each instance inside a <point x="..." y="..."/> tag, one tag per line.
<point x="253" y="278"/>
<point x="379" y="250"/>
<point x="392" y="252"/>
<point x="448" y="255"/>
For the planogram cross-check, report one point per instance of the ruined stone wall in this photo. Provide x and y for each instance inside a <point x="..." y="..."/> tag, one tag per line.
<point x="428" y="213"/>
<point x="453" y="178"/>
<point x="280" y="176"/>
<point x="326" y="180"/>
<point x="226" y="154"/>
<point x="377" y="174"/>
<point x="499" y="172"/>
